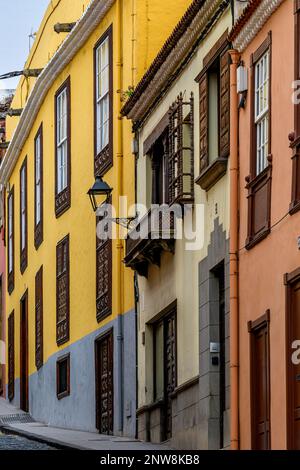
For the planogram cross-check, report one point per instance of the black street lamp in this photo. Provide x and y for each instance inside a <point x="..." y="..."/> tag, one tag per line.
<point x="99" y="189"/>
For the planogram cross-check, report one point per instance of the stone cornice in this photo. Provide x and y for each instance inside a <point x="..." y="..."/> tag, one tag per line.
<point x="253" y="24"/>
<point x="73" y="42"/>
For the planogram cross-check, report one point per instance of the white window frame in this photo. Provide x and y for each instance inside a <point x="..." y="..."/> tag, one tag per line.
<point x="102" y="71"/>
<point x="38" y="180"/>
<point x="10" y="235"/>
<point x="261" y="110"/>
<point x="62" y="131"/>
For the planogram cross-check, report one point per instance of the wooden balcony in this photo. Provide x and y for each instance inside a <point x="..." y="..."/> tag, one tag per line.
<point x="145" y="243"/>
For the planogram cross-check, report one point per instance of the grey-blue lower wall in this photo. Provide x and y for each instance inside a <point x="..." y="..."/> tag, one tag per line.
<point x="78" y="410"/>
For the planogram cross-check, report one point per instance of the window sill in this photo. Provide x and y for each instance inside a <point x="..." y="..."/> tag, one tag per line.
<point x="62" y="395"/>
<point x="38" y="236"/>
<point x="103" y="161"/>
<point x="212" y="174"/>
<point x="62" y="202"/>
<point x="11" y="283"/>
<point x="294" y="207"/>
<point x="251" y="242"/>
<point x="104" y="314"/>
<point x="61" y="341"/>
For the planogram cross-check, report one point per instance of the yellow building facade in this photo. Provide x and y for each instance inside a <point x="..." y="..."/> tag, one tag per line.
<point x="70" y="300"/>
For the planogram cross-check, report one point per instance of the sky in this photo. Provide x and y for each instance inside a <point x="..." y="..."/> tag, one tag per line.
<point x="19" y="18"/>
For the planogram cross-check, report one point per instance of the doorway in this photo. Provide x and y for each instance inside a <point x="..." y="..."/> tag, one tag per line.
<point x="260" y="382"/>
<point x="104" y="383"/>
<point x="165" y="366"/>
<point x="293" y="362"/>
<point x="24" y="405"/>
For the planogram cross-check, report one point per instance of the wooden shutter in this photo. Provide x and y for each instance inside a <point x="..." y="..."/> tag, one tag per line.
<point x="224" y="105"/>
<point x="203" y="116"/>
<point x="103" y="277"/>
<point x="62" y="292"/>
<point x="11" y="356"/>
<point x="180" y="151"/>
<point x="39" y="319"/>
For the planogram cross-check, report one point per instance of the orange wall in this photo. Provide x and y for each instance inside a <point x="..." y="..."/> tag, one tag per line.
<point x="262" y="268"/>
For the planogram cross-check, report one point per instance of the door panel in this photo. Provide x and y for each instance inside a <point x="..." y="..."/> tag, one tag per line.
<point x="260" y="366"/>
<point x="170" y="370"/>
<point x="24" y="354"/>
<point x="104" y="384"/>
<point x="294" y="368"/>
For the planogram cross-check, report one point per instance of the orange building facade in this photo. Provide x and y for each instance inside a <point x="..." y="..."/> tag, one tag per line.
<point x="266" y="40"/>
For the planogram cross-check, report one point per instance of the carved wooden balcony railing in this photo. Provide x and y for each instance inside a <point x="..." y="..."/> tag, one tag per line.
<point x="154" y="234"/>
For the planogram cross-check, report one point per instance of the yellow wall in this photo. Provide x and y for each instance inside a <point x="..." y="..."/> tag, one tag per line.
<point x="79" y="220"/>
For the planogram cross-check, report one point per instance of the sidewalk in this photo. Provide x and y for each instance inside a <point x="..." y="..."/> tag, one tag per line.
<point x="64" y="438"/>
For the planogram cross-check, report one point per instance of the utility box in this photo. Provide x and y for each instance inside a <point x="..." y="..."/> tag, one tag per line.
<point x="242" y="79"/>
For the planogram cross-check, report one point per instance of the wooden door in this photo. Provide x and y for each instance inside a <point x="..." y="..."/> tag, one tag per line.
<point x="170" y="370"/>
<point x="293" y="367"/>
<point x="24" y="353"/>
<point x="11" y="356"/>
<point x="260" y="378"/>
<point x="104" y="384"/>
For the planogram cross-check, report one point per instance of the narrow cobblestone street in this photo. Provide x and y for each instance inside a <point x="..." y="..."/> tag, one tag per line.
<point x="12" y="442"/>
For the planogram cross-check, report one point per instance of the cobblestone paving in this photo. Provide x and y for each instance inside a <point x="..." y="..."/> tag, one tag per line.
<point x="11" y="442"/>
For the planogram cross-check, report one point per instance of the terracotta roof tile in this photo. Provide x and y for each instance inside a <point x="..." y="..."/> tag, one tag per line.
<point x="240" y="23"/>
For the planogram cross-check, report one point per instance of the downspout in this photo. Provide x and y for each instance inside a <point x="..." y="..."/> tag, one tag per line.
<point x="136" y="298"/>
<point x="119" y="169"/>
<point x="233" y="260"/>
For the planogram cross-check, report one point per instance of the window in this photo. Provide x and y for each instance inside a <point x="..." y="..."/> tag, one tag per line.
<point x="63" y="291"/>
<point x="102" y="97"/>
<point x="103" y="103"/>
<point x="11" y="242"/>
<point x="214" y="116"/>
<point x="262" y="111"/>
<point x="259" y="179"/>
<point x="63" y="377"/>
<point x="159" y="161"/>
<point x="62" y="146"/>
<point x="295" y="141"/>
<point x="38" y="188"/>
<point x="39" y="318"/>
<point x="171" y="152"/>
<point x="23" y="216"/>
